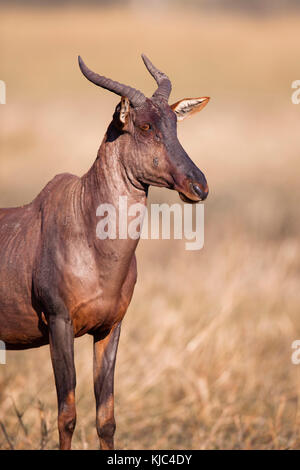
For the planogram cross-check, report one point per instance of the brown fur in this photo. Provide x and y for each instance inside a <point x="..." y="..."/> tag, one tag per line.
<point x="59" y="281"/>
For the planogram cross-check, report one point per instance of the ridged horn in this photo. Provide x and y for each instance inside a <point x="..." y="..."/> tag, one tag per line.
<point x="136" y="97"/>
<point x="163" y="82"/>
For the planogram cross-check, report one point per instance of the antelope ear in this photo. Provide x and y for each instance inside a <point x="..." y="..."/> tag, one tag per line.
<point x="121" y="113"/>
<point x="189" y="106"/>
<point x="124" y="110"/>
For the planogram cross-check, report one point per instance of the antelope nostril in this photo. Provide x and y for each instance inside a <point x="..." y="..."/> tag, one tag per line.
<point x="202" y="193"/>
<point x="197" y="190"/>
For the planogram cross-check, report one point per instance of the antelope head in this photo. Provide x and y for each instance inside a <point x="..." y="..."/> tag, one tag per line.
<point x="154" y="154"/>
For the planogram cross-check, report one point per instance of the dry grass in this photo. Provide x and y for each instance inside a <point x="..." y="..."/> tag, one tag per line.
<point x="205" y="352"/>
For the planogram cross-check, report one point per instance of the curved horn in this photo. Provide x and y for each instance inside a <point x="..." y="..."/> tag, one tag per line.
<point x="164" y="83"/>
<point x="136" y="97"/>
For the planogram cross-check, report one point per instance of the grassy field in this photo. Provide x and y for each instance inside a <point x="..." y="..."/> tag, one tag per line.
<point x="205" y="354"/>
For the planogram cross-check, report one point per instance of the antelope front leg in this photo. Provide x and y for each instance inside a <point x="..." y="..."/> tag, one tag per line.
<point x="105" y="351"/>
<point x="61" y="338"/>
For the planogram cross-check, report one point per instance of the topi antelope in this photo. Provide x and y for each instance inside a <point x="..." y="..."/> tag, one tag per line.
<point x="58" y="280"/>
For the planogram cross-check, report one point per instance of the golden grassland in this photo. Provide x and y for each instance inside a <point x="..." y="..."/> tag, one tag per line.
<point x="205" y="354"/>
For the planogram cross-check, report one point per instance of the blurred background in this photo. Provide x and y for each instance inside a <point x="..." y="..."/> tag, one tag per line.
<point x="205" y="354"/>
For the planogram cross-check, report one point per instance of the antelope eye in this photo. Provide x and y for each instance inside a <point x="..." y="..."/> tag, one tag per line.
<point x="145" y="127"/>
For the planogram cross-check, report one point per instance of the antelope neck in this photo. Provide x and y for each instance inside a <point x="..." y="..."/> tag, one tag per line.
<point x="108" y="178"/>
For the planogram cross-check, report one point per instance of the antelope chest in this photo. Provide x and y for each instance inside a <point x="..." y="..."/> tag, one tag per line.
<point x="95" y="303"/>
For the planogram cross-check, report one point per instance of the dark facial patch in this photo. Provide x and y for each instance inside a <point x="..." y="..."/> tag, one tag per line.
<point x="155" y="161"/>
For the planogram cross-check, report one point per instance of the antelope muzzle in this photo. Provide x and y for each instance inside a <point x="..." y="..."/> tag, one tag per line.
<point x="190" y="182"/>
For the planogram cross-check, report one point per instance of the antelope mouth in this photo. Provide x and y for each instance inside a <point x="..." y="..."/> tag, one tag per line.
<point x="188" y="200"/>
<point x="195" y="190"/>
